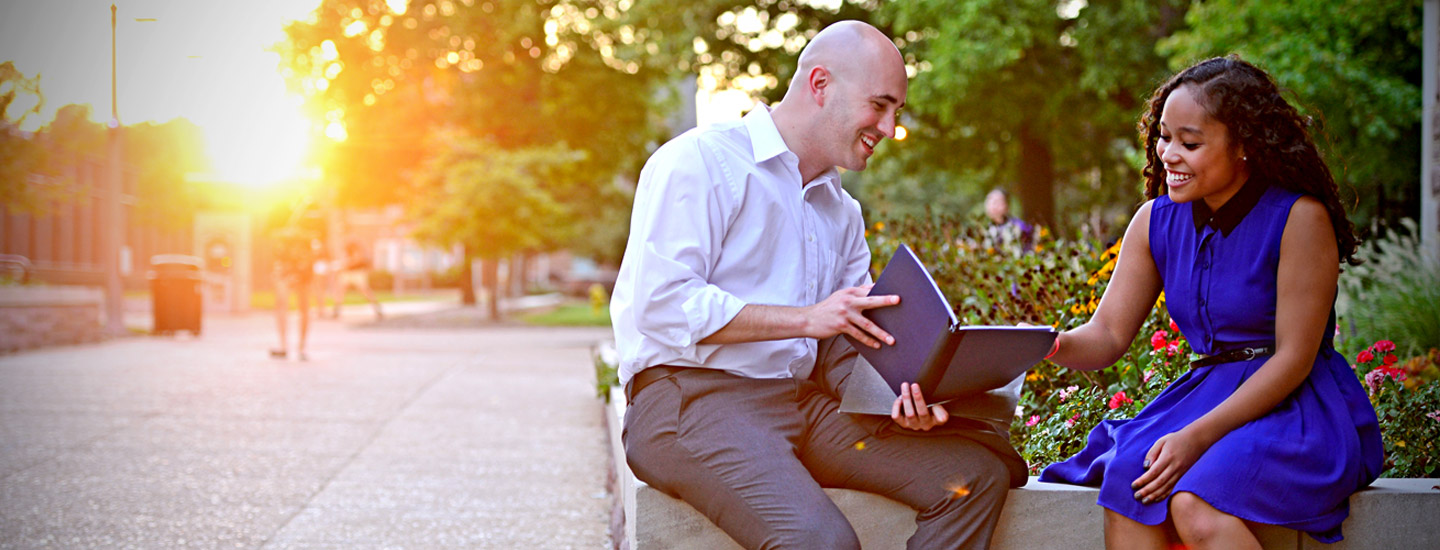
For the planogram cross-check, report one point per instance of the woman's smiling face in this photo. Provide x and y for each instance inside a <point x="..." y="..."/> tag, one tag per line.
<point x="1200" y="161"/>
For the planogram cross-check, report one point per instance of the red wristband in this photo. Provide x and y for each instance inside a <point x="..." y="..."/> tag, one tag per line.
<point x="1054" y="347"/>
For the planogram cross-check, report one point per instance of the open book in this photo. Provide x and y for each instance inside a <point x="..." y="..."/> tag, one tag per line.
<point x="932" y="349"/>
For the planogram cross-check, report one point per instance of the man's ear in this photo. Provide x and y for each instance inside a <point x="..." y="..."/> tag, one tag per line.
<point x="819" y="81"/>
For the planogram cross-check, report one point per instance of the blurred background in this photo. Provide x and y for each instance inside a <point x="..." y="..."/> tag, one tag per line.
<point x="489" y="149"/>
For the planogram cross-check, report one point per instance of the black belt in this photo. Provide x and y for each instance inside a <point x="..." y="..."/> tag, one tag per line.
<point x="646" y="377"/>
<point x="1242" y="354"/>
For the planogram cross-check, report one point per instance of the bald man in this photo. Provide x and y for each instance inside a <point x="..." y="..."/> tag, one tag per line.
<point x="746" y="261"/>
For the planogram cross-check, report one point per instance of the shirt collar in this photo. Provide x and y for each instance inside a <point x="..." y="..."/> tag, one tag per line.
<point x="765" y="140"/>
<point x="1229" y="215"/>
<point x="766" y="143"/>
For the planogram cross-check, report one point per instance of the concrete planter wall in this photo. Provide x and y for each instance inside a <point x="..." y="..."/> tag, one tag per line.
<point x="1392" y="513"/>
<point x="32" y="317"/>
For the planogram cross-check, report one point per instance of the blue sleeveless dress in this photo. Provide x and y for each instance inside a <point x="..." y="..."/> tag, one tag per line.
<point x="1294" y="467"/>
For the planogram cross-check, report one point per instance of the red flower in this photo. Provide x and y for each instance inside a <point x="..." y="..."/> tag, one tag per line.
<point x="1390" y="359"/>
<point x="1119" y="400"/>
<point x="1173" y="327"/>
<point x="1157" y="341"/>
<point x="1365" y="357"/>
<point x="1384" y="346"/>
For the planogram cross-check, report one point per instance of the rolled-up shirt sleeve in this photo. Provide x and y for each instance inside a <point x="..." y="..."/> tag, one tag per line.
<point x="684" y="205"/>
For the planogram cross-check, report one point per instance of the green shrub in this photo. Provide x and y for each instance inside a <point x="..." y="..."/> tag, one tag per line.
<point x="1395" y="294"/>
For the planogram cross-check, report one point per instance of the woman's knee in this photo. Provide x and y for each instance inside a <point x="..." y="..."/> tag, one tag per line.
<point x="1194" y="518"/>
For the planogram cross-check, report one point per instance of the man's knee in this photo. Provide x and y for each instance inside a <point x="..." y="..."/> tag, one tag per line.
<point x="830" y="531"/>
<point x="988" y="480"/>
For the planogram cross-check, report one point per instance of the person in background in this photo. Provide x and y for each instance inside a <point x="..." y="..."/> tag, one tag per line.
<point x="1004" y="228"/>
<point x="1245" y="234"/>
<point x="355" y="273"/>
<point x="295" y="249"/>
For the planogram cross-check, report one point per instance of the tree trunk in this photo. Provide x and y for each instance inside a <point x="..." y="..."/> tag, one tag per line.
<point x="490" y="279"/>
<point x="522" y="273"/>
<point x="467" y="277"/>
<point x="1037" y="177"/>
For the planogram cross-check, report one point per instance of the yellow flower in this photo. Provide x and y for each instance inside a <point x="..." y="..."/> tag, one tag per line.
<point x="1400" y="444"/>
<point x="1092" y="281"/>
<point x="879" y="226"/>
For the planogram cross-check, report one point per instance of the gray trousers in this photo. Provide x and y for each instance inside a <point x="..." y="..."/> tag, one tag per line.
<point x="753" y="455"/>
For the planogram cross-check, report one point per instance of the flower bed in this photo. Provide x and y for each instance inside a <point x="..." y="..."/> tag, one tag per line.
<point x="1058" y="282"/>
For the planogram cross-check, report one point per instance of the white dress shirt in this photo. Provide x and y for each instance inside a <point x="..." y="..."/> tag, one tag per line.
<point x="722" y="219"/>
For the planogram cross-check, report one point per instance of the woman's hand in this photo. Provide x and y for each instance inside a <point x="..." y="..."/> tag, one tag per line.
<point x="911" y="413"/>
<point x="1170" y="457"/>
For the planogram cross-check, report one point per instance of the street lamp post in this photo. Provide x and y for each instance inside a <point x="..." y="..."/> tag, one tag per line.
<point x="115" y="226"/>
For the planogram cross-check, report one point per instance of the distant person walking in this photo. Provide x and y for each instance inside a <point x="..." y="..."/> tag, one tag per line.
<point x="296" y="249"/>
<point x="355" y="272"/>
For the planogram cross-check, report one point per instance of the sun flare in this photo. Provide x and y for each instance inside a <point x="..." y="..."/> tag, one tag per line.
<point x="172" y="60"/>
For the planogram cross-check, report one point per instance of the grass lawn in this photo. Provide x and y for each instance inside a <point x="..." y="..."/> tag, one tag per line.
<point x="265" y="299"/>
<point x="570" y="315"/>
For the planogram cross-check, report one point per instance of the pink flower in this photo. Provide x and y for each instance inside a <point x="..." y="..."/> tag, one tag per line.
<point x="1375" y="377"/>
<point x="1148" y="374"/>
<point x="1073" y="420"/>
<point x="1365" y="357"/>
<point x="1172" y="348"/>
<point x="1119" y="400"/>
<point x="1066" y="393"/>
<point x="1384" y="346"/>
<point x="1033" y="421"/>
<point x="1434" y="416"/>
<point x="1157" y="341"/>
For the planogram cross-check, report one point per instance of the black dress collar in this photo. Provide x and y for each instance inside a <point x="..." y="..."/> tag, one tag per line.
<point x="1230" y="213"/>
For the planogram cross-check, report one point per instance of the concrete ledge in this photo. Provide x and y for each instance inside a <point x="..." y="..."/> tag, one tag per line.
<point x="1392" y="513"/>
<point x="32" y="317"/>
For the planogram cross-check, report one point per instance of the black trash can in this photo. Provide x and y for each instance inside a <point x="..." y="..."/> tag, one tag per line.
<point x="175" y="293"/>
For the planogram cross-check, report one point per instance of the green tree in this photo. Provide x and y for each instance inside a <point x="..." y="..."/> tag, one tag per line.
<point x="1040" y="97"/>
<point x="19" y="98"/>
<point x="1353" y="64"/>
<point x="160" y="155"/>
<point x="515" y="76"/>
<point x="497" y="202"/>
<point x="1037" y="96"/>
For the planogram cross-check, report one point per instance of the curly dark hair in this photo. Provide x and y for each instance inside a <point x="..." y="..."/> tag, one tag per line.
<point x="1274" y="136"/>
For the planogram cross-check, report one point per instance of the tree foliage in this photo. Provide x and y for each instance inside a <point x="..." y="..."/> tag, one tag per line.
<point x="1042" y="97"/>
<point x="1353" y="64"/>
<point x="517" y="79"/>
<point x="19" y="98"/>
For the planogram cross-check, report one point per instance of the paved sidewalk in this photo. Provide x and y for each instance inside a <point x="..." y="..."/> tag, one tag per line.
<point x="386" y="438"/>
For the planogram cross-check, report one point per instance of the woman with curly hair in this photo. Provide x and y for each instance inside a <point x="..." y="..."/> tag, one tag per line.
<point x="1245" y="234"/>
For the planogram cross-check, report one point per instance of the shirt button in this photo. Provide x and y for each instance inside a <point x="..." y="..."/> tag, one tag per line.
<point x="812" y="238"/>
